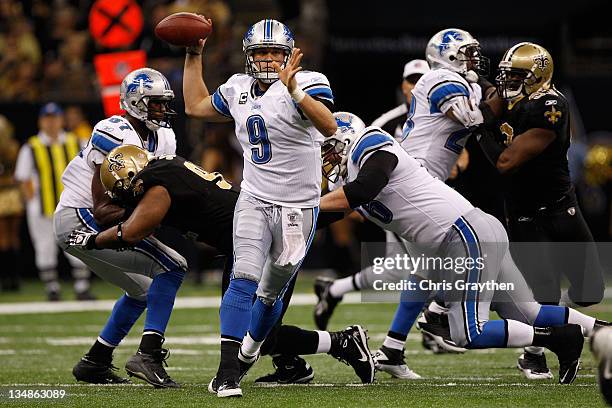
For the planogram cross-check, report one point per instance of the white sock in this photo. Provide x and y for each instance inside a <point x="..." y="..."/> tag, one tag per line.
<point x="535" y="350"/>
<point x="587" y="322"/>
<point x="342" y="286"/>
<point x="249" y="349"/>
<point x="396" y="344"/>
<point x="324" y="342"/>
<point x="519" y="334"/>
<point x="435" y="307"/>
<point x="106" y="343"/>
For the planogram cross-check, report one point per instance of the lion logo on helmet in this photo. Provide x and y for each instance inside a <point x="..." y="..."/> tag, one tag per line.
<point x="140" y="80"/>
<point x="447" y="38"/>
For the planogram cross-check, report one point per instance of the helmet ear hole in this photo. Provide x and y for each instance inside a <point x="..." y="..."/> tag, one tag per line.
<point x="131" y="174"/>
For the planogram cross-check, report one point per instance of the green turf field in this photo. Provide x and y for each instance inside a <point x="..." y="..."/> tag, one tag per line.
<point x="38" y="352"/>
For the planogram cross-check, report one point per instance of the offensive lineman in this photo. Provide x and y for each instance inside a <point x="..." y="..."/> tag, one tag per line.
<point x="442" y="113"/>
<point x="150" y="273"/>
<point x="385" y="184"/>
<point x="281" y="116"/>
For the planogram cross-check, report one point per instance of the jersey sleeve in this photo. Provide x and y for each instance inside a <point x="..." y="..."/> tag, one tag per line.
<point x="442" y="93"/>
<point x="547" y="112"/>
<point x="105" y="138"/>
<point x="373" y="139"/>
<point x="221" y="97"/>
<point x="316" y="85"/>
<point x="24" y="168"/>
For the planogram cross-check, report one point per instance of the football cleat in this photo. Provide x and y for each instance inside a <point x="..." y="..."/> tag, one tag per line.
<point x="601" y="346"/>
<point x="351" y="347"/>
<point x="97" y="373"/>
<point x="436" y="326"/>
<point x="326" y="303"/>
<point x="213" y="386"/>
<point x="534" y="366"/>
<point x="392" y="361"/>
<point x="229" y="388"/>
<point x="150" y="368"/>
<point x="289" y="370"/>
<point x="566" y="342"/>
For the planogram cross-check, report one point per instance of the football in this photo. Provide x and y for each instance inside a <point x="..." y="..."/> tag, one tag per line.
<point x="183" y="29"/>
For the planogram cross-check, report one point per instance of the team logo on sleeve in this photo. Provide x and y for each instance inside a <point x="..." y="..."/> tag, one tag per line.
<point x="553" y="115"/>
<point x="116" y="162"/>
<point x="507" y="131"/>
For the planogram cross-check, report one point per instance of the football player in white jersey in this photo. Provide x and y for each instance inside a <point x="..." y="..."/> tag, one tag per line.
<point x="150" y="273"/>
<point x="443" y="110"/>
<point x="281" y="116"/>
<point x="389" y="187"/>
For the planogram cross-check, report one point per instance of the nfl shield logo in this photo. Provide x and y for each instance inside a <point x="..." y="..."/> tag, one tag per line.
<point x="571" y="210"/>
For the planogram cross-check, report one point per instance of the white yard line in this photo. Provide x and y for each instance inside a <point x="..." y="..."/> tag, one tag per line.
<point x="300" y="299"/>
<point x="208" y="302"/>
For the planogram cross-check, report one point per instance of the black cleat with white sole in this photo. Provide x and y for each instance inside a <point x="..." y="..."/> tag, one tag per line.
<point x="289" y="370"/>
<point x="351" y="347"/>
<point x="92" y="372"/>
<point x="150" y="368"/>
<point x="534" y="366"/>
<point x="392" y="361"/>
<point x="566" y="342"/>
<point x="438" y="330"/>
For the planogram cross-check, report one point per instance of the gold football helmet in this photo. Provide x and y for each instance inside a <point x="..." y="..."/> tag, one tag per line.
<point x="119" y="168"/>
<point x="524" y="69"/>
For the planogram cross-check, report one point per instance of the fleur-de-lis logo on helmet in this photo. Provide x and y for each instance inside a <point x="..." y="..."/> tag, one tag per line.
<point x="541" y="61"/>
<point x="116" y="162"/>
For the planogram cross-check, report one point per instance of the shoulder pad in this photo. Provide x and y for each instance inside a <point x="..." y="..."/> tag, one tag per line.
<point x="372" y="138"/>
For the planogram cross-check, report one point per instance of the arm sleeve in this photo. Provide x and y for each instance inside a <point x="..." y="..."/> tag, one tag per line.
<point x="548" y="112"/>
<point x="372" y="178"/>
<point x="219" y="100"/>
<point x="317" y="86"/>
<point x="25" y="163"/>
<point x="441" y="94"/>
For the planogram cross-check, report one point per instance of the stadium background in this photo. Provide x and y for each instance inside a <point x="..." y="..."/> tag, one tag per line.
<point x="47" y="53"/>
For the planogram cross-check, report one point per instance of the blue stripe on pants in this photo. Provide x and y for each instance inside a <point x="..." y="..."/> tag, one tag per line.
<point x="470" y="297"/>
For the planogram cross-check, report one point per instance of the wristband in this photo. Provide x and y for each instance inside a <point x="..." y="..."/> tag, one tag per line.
<point x="120" y="235"/>
<point x="298" y="94"/>
<point x="91" y="242"/>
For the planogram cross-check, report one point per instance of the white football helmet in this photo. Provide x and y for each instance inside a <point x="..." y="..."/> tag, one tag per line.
<point x="334" y="151"/>
<point x="266" y="34"/>
<point x="457" y="51"/>
<point x="141" y="86"/>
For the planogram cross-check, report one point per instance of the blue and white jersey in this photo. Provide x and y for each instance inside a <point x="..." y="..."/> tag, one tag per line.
<point x="107" y="134"/>
<point x="414" y="204"/>
<point x="430" y="136"/>
<point x="281" y="147"/>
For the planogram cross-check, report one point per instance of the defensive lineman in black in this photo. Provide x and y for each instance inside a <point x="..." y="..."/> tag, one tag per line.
<point x="528" y="144"/>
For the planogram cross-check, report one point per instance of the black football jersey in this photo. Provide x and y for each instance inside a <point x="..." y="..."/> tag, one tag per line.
<point x="545" y="178"/>
<point x="202" y="203"/>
